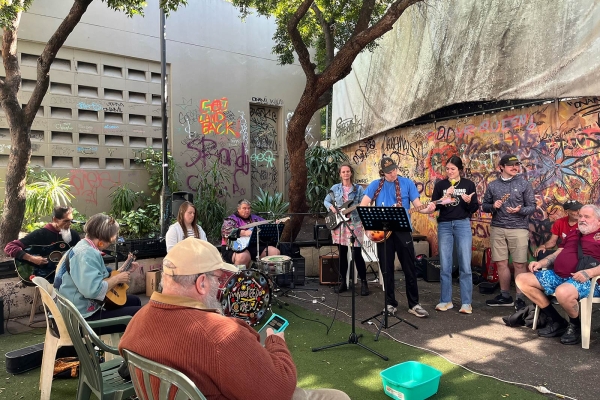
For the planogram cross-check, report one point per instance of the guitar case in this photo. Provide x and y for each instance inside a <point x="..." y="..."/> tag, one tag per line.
<point x="30" y="357"/>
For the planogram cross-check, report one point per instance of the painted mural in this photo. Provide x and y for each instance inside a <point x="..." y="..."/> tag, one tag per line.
<point x="558" y="143"/>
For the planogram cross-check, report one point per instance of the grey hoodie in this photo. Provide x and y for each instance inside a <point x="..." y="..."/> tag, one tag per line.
<point x="521" y="192"/>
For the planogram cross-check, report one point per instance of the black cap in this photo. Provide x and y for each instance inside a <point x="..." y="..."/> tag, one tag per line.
<point x="510" y="159"/>
<point x="388" y="165"/>
<point x="572" y="205"/>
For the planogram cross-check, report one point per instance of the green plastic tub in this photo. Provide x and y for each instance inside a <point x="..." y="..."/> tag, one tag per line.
<point x="410" y="380"/>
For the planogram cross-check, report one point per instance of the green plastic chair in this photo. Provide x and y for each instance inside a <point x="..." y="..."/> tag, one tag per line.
<point x="169" y="377"/>
<point x="102" y="379"/>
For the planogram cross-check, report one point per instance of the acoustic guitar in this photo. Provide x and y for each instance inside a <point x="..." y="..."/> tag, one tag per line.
<point x="241" y="243"/>
<point x="52" y="252"/>
<point x="382" y="236"/>
<point x="117" y="296"/>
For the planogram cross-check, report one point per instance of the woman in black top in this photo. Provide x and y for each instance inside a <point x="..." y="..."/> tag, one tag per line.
<point x="454" y="231"/>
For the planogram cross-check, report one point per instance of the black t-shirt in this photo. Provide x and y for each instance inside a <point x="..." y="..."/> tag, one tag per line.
<point x="45" y="236"/>
<point x="458" y="209"/>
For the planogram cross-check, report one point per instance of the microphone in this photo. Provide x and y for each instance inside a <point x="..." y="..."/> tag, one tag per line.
<point x="78" y="222"/>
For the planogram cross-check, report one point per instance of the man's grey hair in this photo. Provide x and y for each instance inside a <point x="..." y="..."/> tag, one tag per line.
<point x="594" y="208"/>
<point x="181" y="280"/>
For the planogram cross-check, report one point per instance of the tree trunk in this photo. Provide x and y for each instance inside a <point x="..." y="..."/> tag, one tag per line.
<point x="16" y="172"/>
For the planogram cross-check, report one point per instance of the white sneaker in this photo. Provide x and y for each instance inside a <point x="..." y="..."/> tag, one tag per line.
<point x="418" y="311"/>
<point x="391" y="309"/>
<point x="466" y="309"/>
<point x="444" y="306"/>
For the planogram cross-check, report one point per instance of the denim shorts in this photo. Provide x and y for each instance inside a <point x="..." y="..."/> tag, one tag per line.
<point x="549" y="281"/>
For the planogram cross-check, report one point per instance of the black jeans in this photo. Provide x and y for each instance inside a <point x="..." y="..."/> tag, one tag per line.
<point x="400" y="244"/>
<point x="131" y="306"/>
<point x="359" y="262"/>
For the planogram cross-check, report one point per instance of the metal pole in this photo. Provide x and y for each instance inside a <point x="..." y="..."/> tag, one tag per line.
<point x="165" y="198"/>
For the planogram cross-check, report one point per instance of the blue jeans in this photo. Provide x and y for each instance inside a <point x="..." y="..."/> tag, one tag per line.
<point x="449" y="233"/>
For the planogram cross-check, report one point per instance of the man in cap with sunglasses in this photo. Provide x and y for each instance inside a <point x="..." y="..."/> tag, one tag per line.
<point x="58" y="230"/>
<point x="560" y="229"/>
<point x="389" y="191"/>
<point x="510" y="200"/>
<point x="183" y="327"/>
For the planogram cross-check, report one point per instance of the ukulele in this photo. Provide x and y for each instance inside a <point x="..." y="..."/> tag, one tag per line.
<point x="241" y="243"/>
<point x="381" y="236"/>
<point x="117" y="296"/>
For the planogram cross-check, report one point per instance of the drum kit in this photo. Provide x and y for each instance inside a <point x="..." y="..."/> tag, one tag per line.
<point x="247" y="294"/>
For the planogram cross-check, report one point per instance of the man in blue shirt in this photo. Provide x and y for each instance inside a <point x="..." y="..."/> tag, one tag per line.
<point x="389" y="191"/>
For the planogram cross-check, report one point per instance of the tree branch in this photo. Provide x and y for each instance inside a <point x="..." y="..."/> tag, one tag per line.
<point x="366" y="11"/>
<point x="10" y="59"/>
<point x="346" y="55"/>
<point x="49" y="54"/>
<point x="327" y="28"/>
<point x="298" y="43"/>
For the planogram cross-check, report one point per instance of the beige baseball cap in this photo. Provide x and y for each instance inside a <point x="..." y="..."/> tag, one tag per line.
<point x="193" y="256"/>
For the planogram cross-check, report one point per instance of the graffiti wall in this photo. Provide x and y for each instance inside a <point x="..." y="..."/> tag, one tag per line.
<point x="558" y="143"/>
<point x="264" y="147"/>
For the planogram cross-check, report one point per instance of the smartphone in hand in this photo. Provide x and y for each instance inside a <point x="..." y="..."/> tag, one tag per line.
<point x="277" y="322"/>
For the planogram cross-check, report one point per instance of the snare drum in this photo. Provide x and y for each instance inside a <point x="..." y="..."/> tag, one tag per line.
<point x="276" y="265"/>
<point x="247" y="296"/>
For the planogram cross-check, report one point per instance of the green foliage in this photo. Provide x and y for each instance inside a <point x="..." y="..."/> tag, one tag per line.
<point x="341" y="16"/>
<point x="123" y="200"/>
<point x="9" y="9"/>
<point x="274" y="203"/>
<point x="322" y="165"/>
<point x="211" y="201"/>
<point x="152" y="160"/>
<point x="141" y="223"/>
<point x="44" y="192"/>
<point x="77" y="216"/>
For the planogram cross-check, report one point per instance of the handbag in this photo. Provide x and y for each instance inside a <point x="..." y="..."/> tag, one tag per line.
<point x="585" y="262"/>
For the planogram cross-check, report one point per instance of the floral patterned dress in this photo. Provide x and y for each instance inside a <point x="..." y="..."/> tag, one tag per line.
<point x="341" y="234"/>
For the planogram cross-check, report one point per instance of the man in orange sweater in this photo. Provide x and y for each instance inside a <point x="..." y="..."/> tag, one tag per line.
<point x="183" y="328"/>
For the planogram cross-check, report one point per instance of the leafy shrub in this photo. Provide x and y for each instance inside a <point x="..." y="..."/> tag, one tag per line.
<point x="323" y="165"/>
<point x="265" y="202"/>
<point x="141" y="223"/>
<point x="211" y="201"/>
<point x="152" y="160"/>
<point x="123" y="200"/>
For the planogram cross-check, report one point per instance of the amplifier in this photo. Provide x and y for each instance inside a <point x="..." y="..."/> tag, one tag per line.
<point x="329" y="269"/>
<point x="432" y="270"/>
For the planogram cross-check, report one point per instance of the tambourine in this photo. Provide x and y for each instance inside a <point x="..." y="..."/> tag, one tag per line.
<point x="247" y="296"/>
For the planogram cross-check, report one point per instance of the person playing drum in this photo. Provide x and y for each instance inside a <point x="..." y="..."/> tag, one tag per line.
<point x="243" y="216"/>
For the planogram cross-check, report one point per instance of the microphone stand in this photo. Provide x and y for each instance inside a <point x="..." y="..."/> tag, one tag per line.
<point x="353" y="337"/>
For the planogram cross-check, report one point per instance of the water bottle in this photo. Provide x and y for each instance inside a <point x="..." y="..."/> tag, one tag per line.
<point x="99" y="354"/>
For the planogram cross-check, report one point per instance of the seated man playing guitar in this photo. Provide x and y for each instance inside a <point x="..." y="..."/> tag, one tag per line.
<point x="243" y="216"/>
<point x="31" y="252"/>
<point x="86" y="281"/>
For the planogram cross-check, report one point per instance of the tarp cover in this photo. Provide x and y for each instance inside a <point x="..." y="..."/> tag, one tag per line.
<point x="445" y="52"/>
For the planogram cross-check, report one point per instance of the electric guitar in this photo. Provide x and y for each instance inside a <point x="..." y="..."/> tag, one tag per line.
<point x="52" y="252"/>
<point x="333" y="220"/>
<point x="382" y="236"/>
<point x="117" y="296"/>
<point x="241" y="243"/>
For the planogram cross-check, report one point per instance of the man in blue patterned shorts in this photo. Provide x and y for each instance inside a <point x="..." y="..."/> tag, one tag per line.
<point x="562" y="279"/>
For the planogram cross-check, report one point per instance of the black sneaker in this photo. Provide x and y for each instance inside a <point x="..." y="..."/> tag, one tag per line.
<point x="341" y="289"/>
<point x="519" y="304"/>
<point x="500" y="301"/>
<point x="553" y="329"/>
<point x="572" y="335"/>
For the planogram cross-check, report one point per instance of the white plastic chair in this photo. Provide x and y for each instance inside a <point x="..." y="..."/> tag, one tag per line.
<point x="585" y="315"/>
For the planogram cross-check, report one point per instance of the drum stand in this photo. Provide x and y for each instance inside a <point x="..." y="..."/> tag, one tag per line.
<point x="353" y="338"/>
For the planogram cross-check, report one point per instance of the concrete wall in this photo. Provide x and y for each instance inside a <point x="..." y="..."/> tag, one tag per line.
<point x="228" y="98"/>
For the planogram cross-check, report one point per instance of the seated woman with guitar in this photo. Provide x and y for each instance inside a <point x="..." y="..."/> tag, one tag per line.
<point x="88" y="284"/>
<point x="186" y="226"/>
<point x="242" y="217"/>
<point x="341" y="196"/>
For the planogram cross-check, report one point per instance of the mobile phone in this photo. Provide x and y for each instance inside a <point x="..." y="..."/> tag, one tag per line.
<point x="277" y="322"/>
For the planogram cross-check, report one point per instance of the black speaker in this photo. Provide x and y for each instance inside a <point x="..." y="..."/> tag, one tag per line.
<point x="177" y="199"/>
<point x="322" y="235"/>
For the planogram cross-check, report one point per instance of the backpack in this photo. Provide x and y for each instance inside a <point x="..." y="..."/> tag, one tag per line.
<point x="524" y="317"/>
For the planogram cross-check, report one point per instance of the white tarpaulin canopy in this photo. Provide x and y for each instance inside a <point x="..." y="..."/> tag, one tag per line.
<point x="446" y="52"/>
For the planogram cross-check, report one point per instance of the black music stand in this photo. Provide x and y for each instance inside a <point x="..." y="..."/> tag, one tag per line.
<point x="353" y="338"/>
<point x="386" y="219"/>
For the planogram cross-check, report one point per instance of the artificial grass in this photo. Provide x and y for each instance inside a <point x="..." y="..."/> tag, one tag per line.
<point x="355" y="370"/>
<point x="350" y="367"/>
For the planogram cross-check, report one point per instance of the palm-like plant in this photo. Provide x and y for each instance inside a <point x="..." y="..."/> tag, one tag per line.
<point x="123" y="200"/>
<point x="44" y="194"/>
<point x="265" y="202"/>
